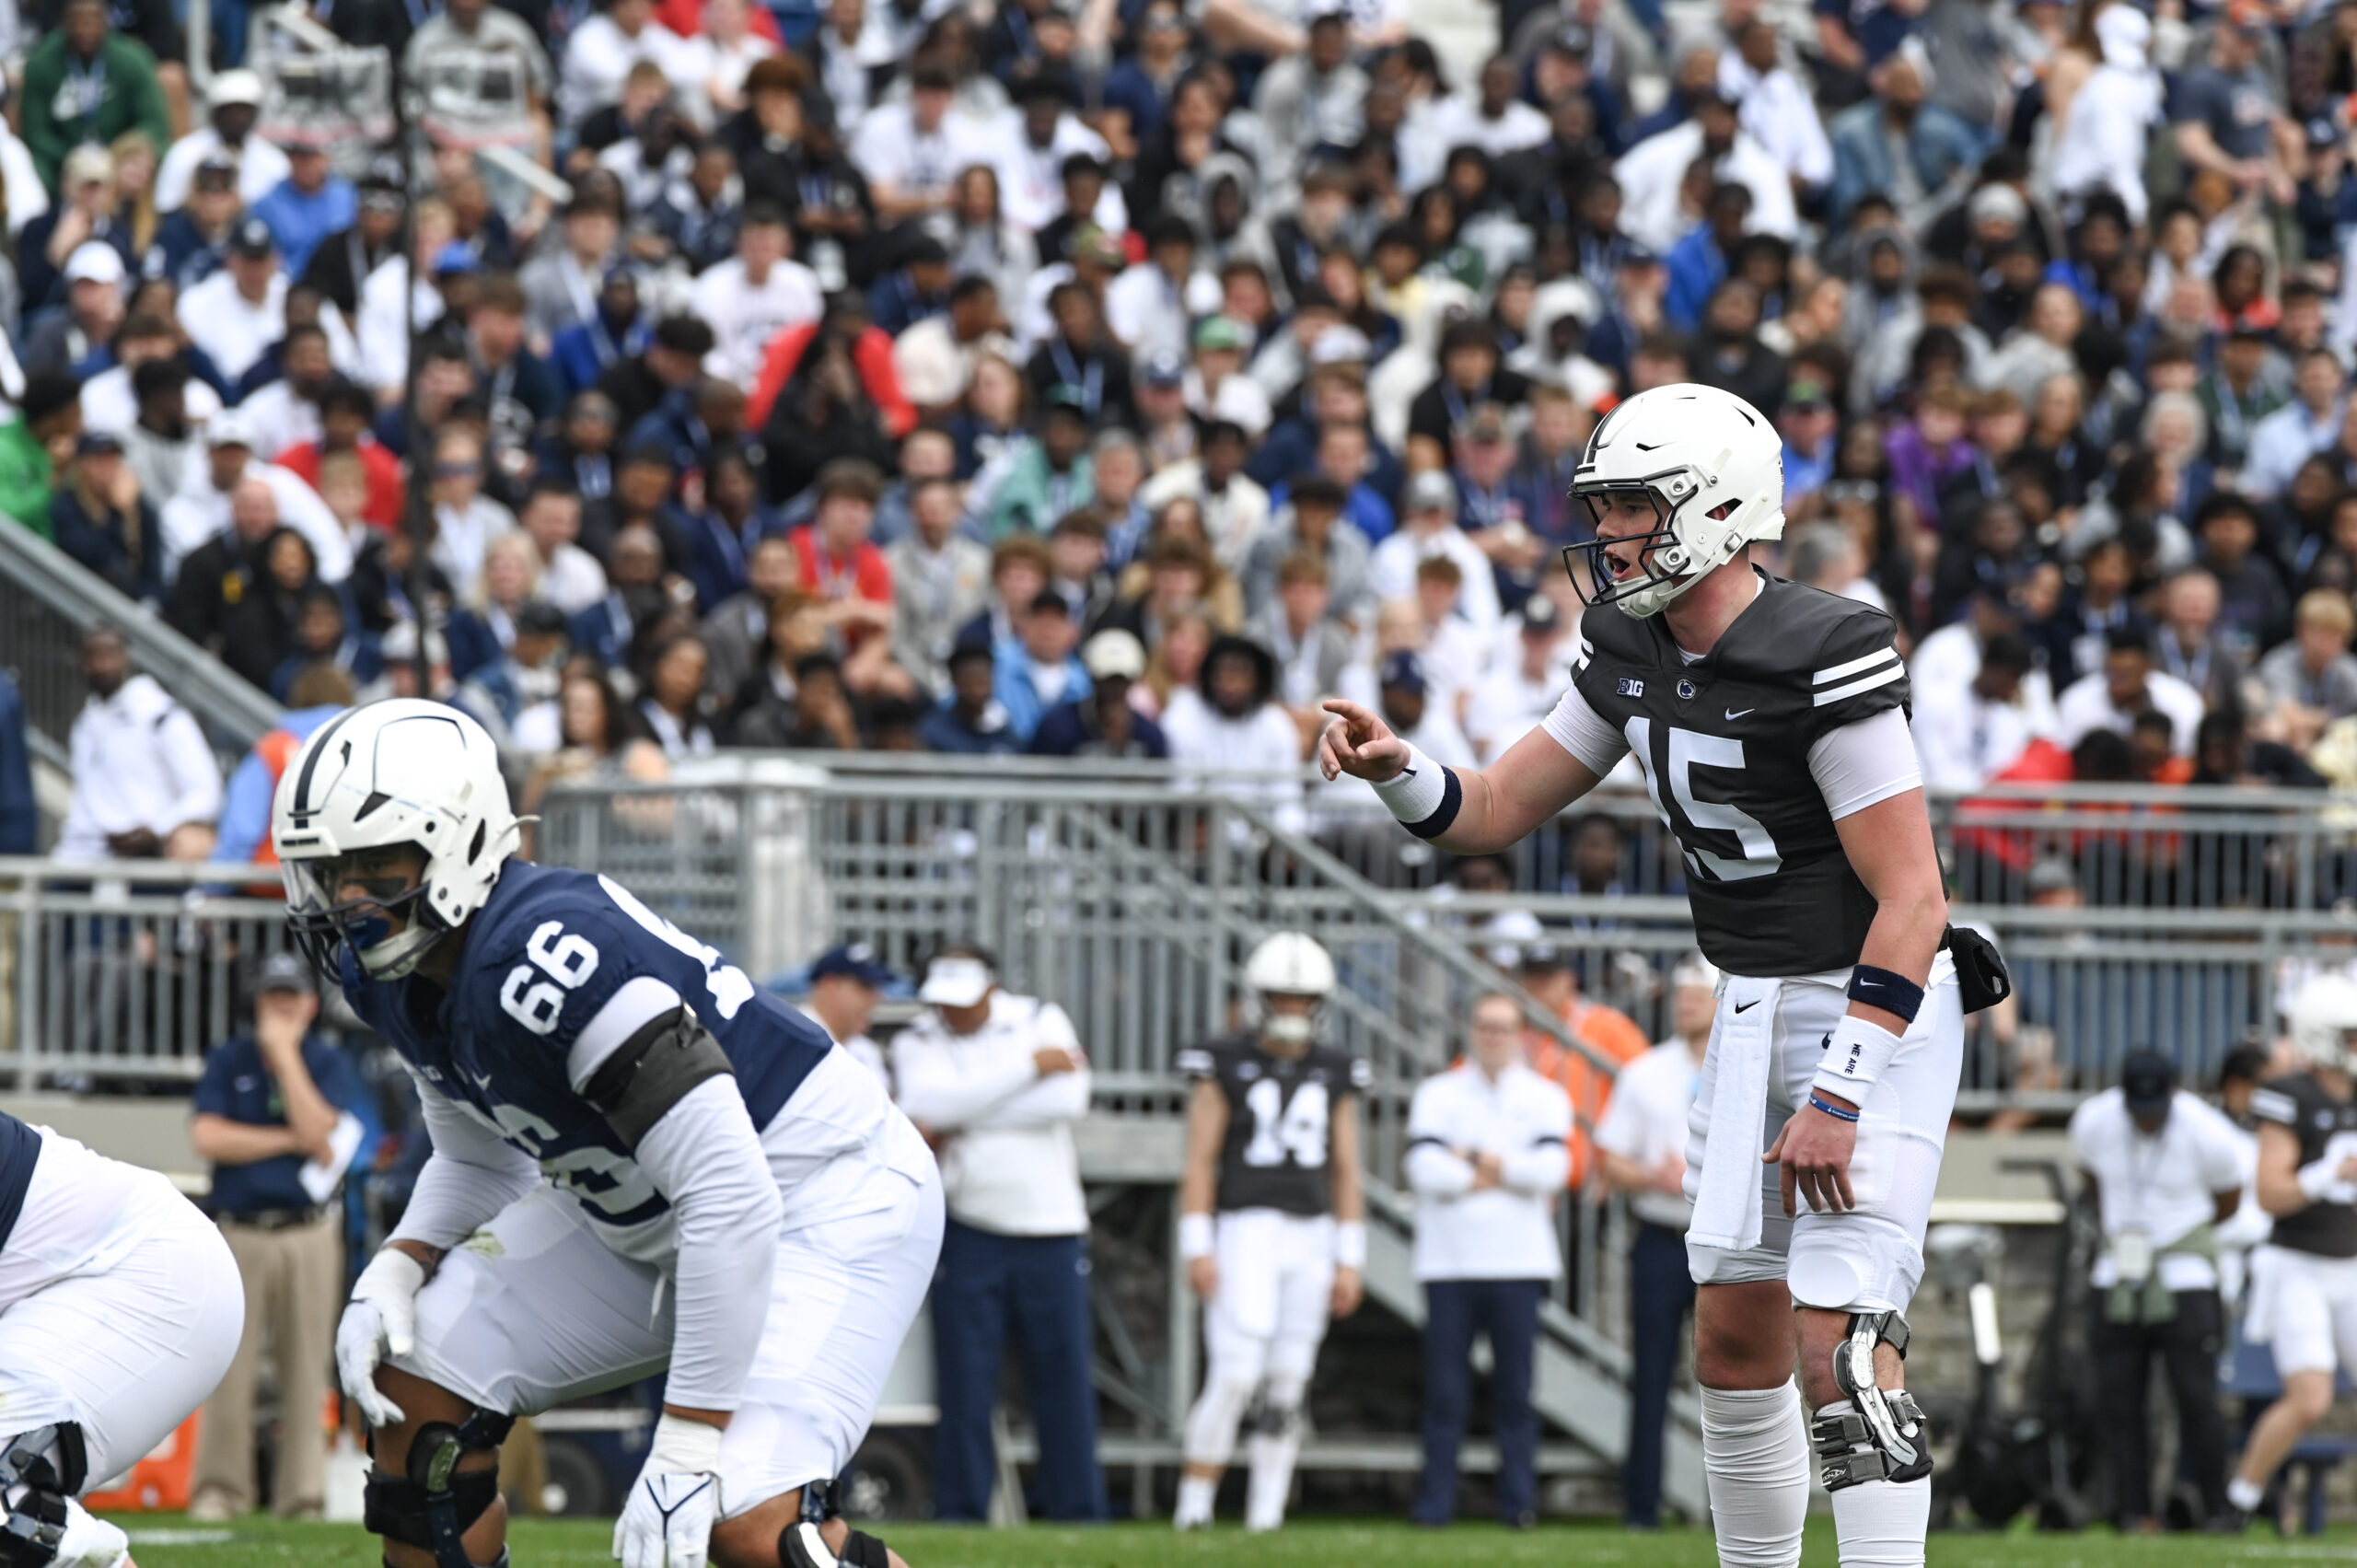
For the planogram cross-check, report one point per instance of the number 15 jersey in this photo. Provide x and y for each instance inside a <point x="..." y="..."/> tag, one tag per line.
<point x="1280" y="1121"/>
<point x="1796" y="719"/>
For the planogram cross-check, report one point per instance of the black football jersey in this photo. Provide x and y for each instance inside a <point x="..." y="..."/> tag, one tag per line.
<point x="2299" y="1102"/>
<point x="1724" y="745"/>
<point x="1280" y="1121"/>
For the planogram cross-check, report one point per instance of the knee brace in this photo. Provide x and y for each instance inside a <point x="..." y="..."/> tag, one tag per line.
<point x="435" y="1504"/>
<point x="1883" y="1435"/>
<point x="801" y="1546"/>
<point x="1219" y="1409"/>
<point x="43" y="1467"/>
<point x="1274" y="1420"/>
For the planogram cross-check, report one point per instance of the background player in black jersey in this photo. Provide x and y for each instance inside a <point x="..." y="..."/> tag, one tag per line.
<point x="1770" y="721"/>
<point x="1272" y="1150"/>
<point x="2303" y="1281"/>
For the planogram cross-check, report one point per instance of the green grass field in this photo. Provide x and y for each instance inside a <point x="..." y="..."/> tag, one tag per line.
<point x="162" y="1541"/>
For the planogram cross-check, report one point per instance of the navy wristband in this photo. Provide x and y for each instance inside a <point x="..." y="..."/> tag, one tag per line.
<point x="1818" y="1102"/>
<point x="1452" y="797"/>
<point x="1891" y="992"/>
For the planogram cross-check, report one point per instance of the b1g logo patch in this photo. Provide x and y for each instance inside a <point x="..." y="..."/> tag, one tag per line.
<point x="1685" y="689"/>
<point x="1632" y="687"/>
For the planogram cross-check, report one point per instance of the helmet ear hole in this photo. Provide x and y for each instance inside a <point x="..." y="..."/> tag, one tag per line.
<point x="1724" y="510"/>
<point x="474" y="850"/>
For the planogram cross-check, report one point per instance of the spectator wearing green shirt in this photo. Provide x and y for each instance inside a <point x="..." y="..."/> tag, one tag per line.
<point x="48" y="422"/>
<point x="85" y="83"/>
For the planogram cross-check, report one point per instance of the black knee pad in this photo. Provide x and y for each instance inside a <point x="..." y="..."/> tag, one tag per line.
<point x="30" y="1532"/>
<point x="801" y="1546"/>
<point x="395" y="1506"/>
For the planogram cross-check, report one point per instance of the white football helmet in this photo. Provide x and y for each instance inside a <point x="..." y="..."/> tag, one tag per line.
<point x="1291" y="963"/>
<point x="2322" y="1016"/>
<point x="400" y="772"/>
<point x="1709" y="465"/>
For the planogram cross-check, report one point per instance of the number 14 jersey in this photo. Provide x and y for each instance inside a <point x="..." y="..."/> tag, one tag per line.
<point x="1730" y="745"/>
<point x="1280" y="1121"/>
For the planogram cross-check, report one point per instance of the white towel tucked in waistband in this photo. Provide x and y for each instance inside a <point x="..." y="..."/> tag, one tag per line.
<point x="1726" y="1202"/>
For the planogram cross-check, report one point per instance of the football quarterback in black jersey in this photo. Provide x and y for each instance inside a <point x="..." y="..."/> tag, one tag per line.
<point x="1770" y="720"/>
<point x="2303" y="1281"/>
<point x="1272" y="1222"/>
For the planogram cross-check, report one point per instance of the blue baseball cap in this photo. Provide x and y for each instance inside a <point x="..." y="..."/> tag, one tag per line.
<point x="854" y="960"/>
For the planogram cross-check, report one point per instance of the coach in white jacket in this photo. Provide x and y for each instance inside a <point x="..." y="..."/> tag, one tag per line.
<point x="1486" y="1156"/>
<point x="996" y="1082"/>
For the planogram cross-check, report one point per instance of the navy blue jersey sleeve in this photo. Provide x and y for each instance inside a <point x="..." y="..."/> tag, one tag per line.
<point x="1856" y="673"/>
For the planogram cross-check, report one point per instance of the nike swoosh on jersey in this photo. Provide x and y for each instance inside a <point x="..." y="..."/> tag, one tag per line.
<point x="1733" y="713"/>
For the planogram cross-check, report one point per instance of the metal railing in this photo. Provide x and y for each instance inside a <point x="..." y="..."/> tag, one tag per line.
<point x="48" y="599"/>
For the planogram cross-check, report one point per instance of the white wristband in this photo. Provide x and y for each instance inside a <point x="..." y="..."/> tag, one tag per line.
<point x="1416" y="791"/>
<point x="1194" y="1237"/>
<point x="1350" y="1245"/>
<point x="683" y="1447"/>
<point x="1855" y="1059"/>
<point x="2317" y="1178"/>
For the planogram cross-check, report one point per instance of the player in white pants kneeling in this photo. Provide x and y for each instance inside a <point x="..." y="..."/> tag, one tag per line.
<point x="1272" y="1146"/>
<point x="120" y="1311"/>
<point x="1770" y="721"/>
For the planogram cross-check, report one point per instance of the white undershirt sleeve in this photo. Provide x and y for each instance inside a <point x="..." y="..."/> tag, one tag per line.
<point x="470" y="1175"/>
<point x="1863" y="763"/>
<point x="1582" y="731"/>
<point x="706" y="1158"/>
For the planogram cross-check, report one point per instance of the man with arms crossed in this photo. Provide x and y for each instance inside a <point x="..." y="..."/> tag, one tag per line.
<point x="1770" y="720"/>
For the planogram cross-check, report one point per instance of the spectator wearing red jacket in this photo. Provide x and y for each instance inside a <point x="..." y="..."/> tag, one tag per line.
<point x="833" y="558"/>
<point x="345" y="415"/>
<point x="871" y="352"/>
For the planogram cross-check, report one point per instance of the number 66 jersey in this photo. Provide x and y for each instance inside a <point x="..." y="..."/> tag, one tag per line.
<point x="1280" y="1119"/>
<point x="1796" y="719"/>
<point x="561" y="968"/>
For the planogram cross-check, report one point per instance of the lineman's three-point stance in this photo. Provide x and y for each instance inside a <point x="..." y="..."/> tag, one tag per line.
<point x="641" y="1162"/>
<point x="1272" y="1222"/>
<point x="1770" y="721"/>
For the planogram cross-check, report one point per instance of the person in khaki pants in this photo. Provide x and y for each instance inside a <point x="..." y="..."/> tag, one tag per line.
<point x="274" y="1114"/>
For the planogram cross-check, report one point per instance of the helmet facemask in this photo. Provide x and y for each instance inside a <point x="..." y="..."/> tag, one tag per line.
<point x="1667" y="565"/>
<point x="326" y="928"/>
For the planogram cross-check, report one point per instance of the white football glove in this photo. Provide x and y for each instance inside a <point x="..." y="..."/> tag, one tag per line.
<point x="90" y="1542"/>
<point x="380" y="1320"/>
<point x="668" y="1521"/>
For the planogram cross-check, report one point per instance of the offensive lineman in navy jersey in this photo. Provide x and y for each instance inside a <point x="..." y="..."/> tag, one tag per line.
<point x="1770" y="721"/>
<point x="641" y="1162"/>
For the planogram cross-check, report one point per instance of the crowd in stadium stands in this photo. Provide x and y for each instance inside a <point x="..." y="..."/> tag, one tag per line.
<point x="1120" y="378"/>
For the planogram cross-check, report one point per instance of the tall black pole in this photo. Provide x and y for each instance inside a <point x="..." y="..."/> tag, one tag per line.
<point x="417" y="515"/>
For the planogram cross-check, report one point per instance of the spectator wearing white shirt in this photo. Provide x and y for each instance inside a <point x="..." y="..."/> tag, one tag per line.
<point x="465" y="519"/>
<point x="1641" y="1142"/>
<point x="2111" y="698"/>
<point x="754" y="295"/>
<point x="145" y="785"/>
<point x="2163" y="1169"/>
<point x="1520" y="691"/>
<point x="846" y="983"/>
<point x="1964" y="740"/>
<point x="200" y="511"/>
<point x="240" y="311"/>
<point x="1030" y="156"/>
<point x="1652" y="173"/>
<point x="1427" y="529"/>
<point x="2104" y="147"/>
<point x="598" y="56"/>
<point x="910" y="150"/>
<point x="1152" y="308"/>
<point x="996" y="1081"/>
<point x="571" y="577"/>
<point x="1410" y="708"/>
<point x="1772" y="106"/>
<point x="1229" y="725"/>
<point x="232" y="104"/>
<point x="1491" y="117"/>
<point x="1487" y="1154"/>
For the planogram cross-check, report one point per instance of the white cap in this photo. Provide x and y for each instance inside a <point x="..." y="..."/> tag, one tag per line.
<point x="1341" y="344"/>
<point x="1696" y="970"/>
<point x="225" y="429"/>
<point x="1113" y="655"/>
<point x="955" y="981"/>
<point x="234" y="87"/>
<point x="94" y="261"/>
